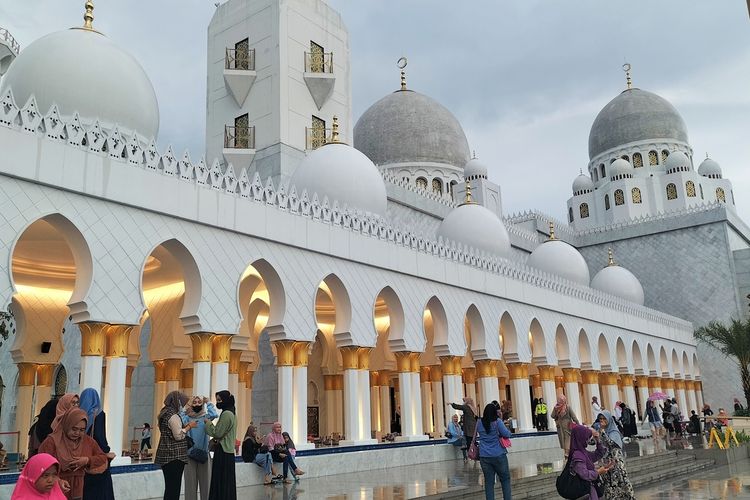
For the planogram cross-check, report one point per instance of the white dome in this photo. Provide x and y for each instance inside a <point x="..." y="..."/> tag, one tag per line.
<point x="709" y="168"/>
<point x="474" y="225"/>
<point x="343" y="174"/>
<point x="582" y="184"/>
<point x="82" y="70"/>
<point x="618" y="281"/>
<point x="475" y="169"/>
<point x="620" y="167"/>
<point x="677" y="161"/>
<point x="557" y="257"/>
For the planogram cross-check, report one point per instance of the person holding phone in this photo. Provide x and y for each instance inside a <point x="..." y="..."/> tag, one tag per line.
<point x="616" y="482"/>
<point x="582" y="460"/>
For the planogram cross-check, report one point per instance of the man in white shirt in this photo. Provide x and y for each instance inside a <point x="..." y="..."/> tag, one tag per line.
<point x="596" y="408"/>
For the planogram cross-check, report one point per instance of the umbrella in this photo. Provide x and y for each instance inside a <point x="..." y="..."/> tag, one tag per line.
<point x="657" y="395"/>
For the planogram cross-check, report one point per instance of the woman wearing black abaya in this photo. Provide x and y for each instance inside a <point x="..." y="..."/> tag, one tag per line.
<point x="223" y="480"/>
<point x="43" y="426"/>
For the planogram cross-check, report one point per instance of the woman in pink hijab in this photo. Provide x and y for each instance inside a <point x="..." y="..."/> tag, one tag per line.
<point x="65" y="403"/>
<point x="40" y="480"/>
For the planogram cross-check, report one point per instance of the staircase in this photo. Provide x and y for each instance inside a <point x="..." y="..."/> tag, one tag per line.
<point x="641" y="471"/>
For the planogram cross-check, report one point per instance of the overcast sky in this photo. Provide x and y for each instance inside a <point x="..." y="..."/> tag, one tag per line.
<point x="525" y="78"/>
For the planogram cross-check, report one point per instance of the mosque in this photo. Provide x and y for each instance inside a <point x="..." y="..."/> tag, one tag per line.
<point x="344" y="278"/>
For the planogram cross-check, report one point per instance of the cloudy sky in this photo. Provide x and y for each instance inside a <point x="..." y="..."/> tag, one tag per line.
<point x="525" y="77"/>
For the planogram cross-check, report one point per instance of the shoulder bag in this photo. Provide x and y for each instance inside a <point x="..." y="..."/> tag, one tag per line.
<point x="473" y="452"/>
<point x="570" y="485"/>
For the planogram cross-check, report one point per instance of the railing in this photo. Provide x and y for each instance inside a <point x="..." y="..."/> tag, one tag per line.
<point x="318" y="62"/>
<point x="14" y="45"/>
<point x="316" y="137"/>
<point x="240" y="59"/>
<point x="239" y="137"/>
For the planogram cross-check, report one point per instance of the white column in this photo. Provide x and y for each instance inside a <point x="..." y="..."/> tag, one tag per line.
<point x="365" y="424"/>
<point x="521" y="396"/>
<point x="202" y="378"/>
<point x="406" y="403"/>
<point x="643" y="395"/>
<point x="681" y="399"/>
<point x="93" y="340"/>
<point x="220" y="377"/>
<point x="114" y="401"/>
<point x="611" y="396"/>
<point x="426" y="392"/>
<point x="549" y="395"/>
<point x="375" y="411"/>
<point x="691" y="399"/>
<point x="299" y="412"/>
<point x="488" y="390"/>
<point x="416" y="394"/>
<point x="699" y="402"/>
<point x="590" y="389"/>
<point x="351" y="406"/>
<point x="285" y="396"/>
<point x="330" y="382"/>
<point x="452" y="393"/>
<point x="385" y="407"/>
<point x="502" y="386"/>
<point x="249" y="396"/>
<point x="570" y="377"/>
<point x="628" y="392"/>
<point x="24" y="403"/>
<point x="220" y="355"/>
<point x="438" y="403"/>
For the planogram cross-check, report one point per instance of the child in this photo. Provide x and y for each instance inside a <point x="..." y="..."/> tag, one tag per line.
<point x="39" y="480"/>
<point x="290" y="452"/>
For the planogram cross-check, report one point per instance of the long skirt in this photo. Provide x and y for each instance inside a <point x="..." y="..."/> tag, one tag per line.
<point x="98" y="486"/>
<point x="223" y="481"/>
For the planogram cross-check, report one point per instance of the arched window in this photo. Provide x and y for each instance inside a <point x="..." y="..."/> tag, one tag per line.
<point x="701" y="187"/>
<point x="596" y="175"/>
<point x="664" y="155"/>
<point x="570" y="214"/>
<point x="653" y="158"/>
<point x="61" y="381"/>
<point x="671" y="191"/>
<point x="451" y="186"/>
<point x="584" y="210"/>
<point x="421" y="182"/>
<point x="437" y="186"/>
<point x="606" y="202"/>
<point x="635" y="193"/>
<point x="720" y="195"/>
<point x="690" y="189"/>
<point x="619" y="197"/>
<point x="603" y="172"/>
<point x="626" y="158"/>
<point x="637" y="160"/>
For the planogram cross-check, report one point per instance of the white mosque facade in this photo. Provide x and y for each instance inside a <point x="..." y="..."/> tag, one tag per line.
<point x="332" y="277"/>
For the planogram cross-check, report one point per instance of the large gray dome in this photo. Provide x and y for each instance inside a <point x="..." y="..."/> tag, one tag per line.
<point x="635" y="115"/>
<point x="406" y="126"/>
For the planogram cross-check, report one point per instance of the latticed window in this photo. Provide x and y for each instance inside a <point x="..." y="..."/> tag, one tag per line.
<point x="635" y="193"/>
<point x="690" y="189"/>
<point x="242" y="132"/>
<point x="61" y="381"/>
<point x="720" y="195"/>
<point x="606" y="202"/>
<point x="317" y="132"/>
<point x="637" y="160"/>
<point x="570" y="214"/>
<point x="421" y="182"/>
<point x="437" y="186"/>
<point x="664" y="155"/>
<point x="619" y="197"/>
<point x="317" y="58"/>
<point x="242" y="54"/>
<point x="653" y="158"/>
<point x="671" y="191"/>
<point x="584" y="209"/>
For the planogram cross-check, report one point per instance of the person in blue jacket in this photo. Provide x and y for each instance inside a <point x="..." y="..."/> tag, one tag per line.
<point x="455" y="435"/>
<point x="198" y="474"/>
<point x="492" y="457"/>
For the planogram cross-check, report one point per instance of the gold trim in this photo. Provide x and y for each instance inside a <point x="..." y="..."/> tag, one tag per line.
<point x="44" y="375"/>
<point x="338" y="383"/>
<point x="535" y="381"/>
<point x="249" y="379"/>
<point x="284" y="352"/>
<point x="608" y="378"/>
<point x="667" y="384"/>
<point x="641" y="381"/>
<point x="301" y="353"/>
<point x="26" y="374"/>
<point x="628" y="80"/>
<point x="469" y="375"/>
<point x="590" y="377"/>
<point x="571" y="375"/>
<point x="546" y="373"/>
<point x="654" y="382"/>
<point x="502" y="382"/>
<point x="518" y="371"/>
<point x="424" y="374"/>
<point x="610" y="257"/>
<point x="349" y="359"/>
<point x="129" y="376"/>
<point x="234" y="360"/>
<point x="186" y="378"/>
<point x="221" y="345"/>
<point x="414" y="362"/>
<point x="335" y="131"/>
<point x="159" y="371"/>
<point x="329" y="382"/>
<point x="118" y="337"/>
<point x="626" y="380"/>
<point x="446" y="362"/>
<point x="403" y="361"/>
<point x="172" y="369"/>
<point x="486" y="368"/>
<point x="373" y="379"/>
<point x="384" y="378"/>
<point x="679" y="385"/>
<point x="436" y="373"/>
<point x="551" y="231"/>
<point x="88" y="16"/>
<point x="242" y="375"/>
<point x="201" y="346"/>
<point x="93" y="338"/>
<point x="559" y="382"/>
<point x="363" y="358"/>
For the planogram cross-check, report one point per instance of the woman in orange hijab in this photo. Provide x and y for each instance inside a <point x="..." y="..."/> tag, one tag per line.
<point x="65" y="403"/>
<point x="77" y="453"/>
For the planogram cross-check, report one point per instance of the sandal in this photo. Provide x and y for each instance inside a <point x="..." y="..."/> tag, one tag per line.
<point x="287" y="481"/>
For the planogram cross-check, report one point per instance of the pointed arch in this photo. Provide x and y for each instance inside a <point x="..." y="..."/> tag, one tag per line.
<point x="168" y="264"/>
<point x="676" y="370"/>
<point x="388" y="321"/>
<point x="652" y="366"/>
<point x="537" y="343"/>
<point x="638" y="366"/>
<point x="584" y="350"/>
<point x="336" y="314"/>
<point x="663" y="363"/>
<point x="435" y="324"/>
<point x="562" y="348"/>
<point x="622" y="356"/>
<point x="696" y="367"/>
<point x="474" y="331"/>
<point x="508" y="338"/>
<point x="605" y="360"/>
<point x="687" y="373"/>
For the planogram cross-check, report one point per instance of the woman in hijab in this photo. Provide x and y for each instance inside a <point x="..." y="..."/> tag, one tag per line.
<point x="470" y="418"/>
<point x="223" y="479"/>
<point x="582" y="460"/>
<point x="563" y="416"/>
<point x="77" y="453"/>
<point x="198" y="474"/>
<point x="253" y="450"/>
<point x="42" y="427"/>
<point x="277" y="446"/>
<point x="171" y="454"/>
<point x="40" y="480"/>
<point x="64" y="404"/>
<point x="616" y="482"/>
<point x="100" y="485"/>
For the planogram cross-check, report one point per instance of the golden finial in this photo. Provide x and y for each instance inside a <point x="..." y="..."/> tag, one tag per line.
<point x="628" y="80"/>
<point x="88" y="16"/>
<point x="707" y="155"/>
<point x="401" y="63"/>
<point x="474" y="154"/>
<point x="335" y="130"/>
<point x="468" y="200"/>
<point x="552" y="230"/>
<point x="611" y="256"/>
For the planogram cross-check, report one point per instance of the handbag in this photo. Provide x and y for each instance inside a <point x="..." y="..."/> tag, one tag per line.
<point x="505" y="442"/>
<point x="473" y="452"/>
<point x="570" y="485"/>
<point x="198" y="455"/>
<point x="448" y="434"/>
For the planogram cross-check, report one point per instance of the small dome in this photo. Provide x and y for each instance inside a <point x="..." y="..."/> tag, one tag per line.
<point x="557" y="257"/>
<point x="474" y="225"/>
<point x="620" y="167"/>
<point x="475" y="169"/>
<point x="710" y="168"/>
<point x="343" y="174"/>
<point x="582" y="184"/>
<point x="677" y="161"/>
<point x="635" y="115"/>
<point x="406" y="126"/>
<point x="82" y="70"/>
<point x="618" y="281"/>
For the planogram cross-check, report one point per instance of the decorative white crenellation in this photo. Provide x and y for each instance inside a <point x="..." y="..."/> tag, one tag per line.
<point x="287" y="198"/>
<point x="444" y="199"/>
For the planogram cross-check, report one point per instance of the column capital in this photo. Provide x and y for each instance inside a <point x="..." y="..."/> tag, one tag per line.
<point x="414" y="362"/>
<point x="486" y="368"/>
<point x="172" y="369"/>
<point x="26" y="373"/>
<point x="93" y="336"/>
<point x="546" y="372"/>
<point x="608" y="378"/>
<point x="242" y="375"/>
<point x="424" y="374"/>
<point x="129" y="376"/>
<point x="570" y="375"/>
<point x="301" y="353"/>
<point x="502" y="382"/>
<point x="284" y="352"/>
<point x="469" y="375"/>
<point x="201" y="346"/>
<point x="234" y="360"/>
<point x="641" y="380"/>
<point x="350" y="357"/>
<point x="363" y="358"/>
<point x="403" y="361"/>
<point x="44" y="374"/>
<point x="436" y="373"/>
<point x="679" y="384"/>
<point x="559" y="382"/>
<point x="654" y="382"/>
<point x="186" y="375"/>
<point x="590" y="377"/>
<point x="159" y="370"/>
<point x="220" y="348"/>
<point x="536" y="380"/>
<point x="518" y="371"/>
<point x="448" y="364"/>
<point x="117" y="340"/>
<point x="667" y="383"/>
<point x="627" y="380"/>
<point x="384" y="378"/>
<point x="249" y="379"/>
